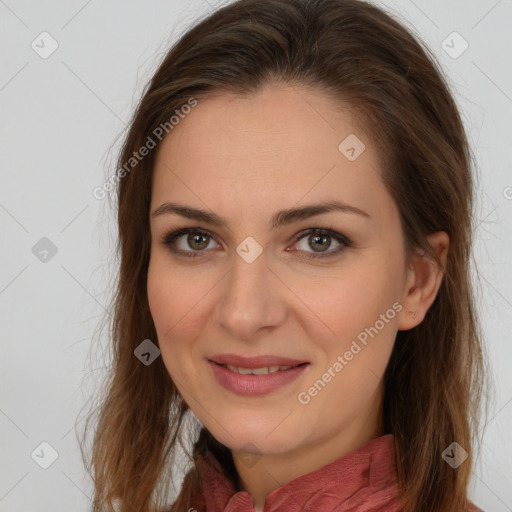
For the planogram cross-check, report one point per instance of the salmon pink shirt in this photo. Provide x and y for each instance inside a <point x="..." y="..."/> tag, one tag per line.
<point x="364" y="480"/>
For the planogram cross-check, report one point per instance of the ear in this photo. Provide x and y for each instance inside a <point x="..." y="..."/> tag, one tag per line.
<point x="422" y="282"/>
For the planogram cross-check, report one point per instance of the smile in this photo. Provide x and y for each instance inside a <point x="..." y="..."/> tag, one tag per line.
<point x="257" y="380"/>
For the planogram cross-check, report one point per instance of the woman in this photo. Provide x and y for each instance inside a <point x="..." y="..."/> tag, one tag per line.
<point x="294" y="211"/>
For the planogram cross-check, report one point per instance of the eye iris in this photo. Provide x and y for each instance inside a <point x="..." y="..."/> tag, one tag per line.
<point x="321" y="237"/>
<point x="193" y="240"/>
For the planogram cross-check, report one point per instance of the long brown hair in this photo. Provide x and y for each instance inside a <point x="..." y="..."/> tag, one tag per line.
<point x="357" y="54"/>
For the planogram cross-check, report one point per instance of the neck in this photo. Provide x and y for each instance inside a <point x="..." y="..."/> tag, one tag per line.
<point x="275" y="470"/>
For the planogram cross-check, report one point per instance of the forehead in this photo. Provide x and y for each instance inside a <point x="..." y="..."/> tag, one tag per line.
<point x="274" y="148"/>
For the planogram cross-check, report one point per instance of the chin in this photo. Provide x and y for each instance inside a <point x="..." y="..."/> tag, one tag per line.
<point x="254" y="440"/>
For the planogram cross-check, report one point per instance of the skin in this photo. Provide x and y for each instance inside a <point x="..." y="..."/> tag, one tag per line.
<point x="246" y="158"/>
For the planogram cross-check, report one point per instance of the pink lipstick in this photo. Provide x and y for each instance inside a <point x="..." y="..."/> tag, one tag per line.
<point x="252" y="376"/>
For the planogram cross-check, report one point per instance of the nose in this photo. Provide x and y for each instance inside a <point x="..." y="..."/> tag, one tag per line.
<point x="252" y="300"/>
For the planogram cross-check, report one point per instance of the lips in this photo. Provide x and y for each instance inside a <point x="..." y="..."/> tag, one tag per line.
<point x="259" y="375"/>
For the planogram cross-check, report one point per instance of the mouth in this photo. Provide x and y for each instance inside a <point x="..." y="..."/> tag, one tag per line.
<point x="256" y="375"/>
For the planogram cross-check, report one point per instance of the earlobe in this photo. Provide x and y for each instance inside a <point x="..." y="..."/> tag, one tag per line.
<point x="424" y="278"/>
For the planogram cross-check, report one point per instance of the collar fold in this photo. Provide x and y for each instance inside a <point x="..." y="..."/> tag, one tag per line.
<point x="363" y="480"/>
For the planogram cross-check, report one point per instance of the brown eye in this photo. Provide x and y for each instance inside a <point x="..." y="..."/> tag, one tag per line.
<point x="196" y="241"/>
<point x="320" y="240"/>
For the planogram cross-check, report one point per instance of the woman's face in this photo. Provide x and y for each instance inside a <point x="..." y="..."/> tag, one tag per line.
<point x="252" y="287"/>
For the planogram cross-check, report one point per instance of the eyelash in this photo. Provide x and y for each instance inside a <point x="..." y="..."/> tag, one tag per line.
<point x="169" y="238"/>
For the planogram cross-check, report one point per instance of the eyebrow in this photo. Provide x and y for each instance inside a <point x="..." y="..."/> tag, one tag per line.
<point x="281" y="218"/>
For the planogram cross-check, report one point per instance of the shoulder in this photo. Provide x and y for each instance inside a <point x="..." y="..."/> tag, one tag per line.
<point x="473" y="508"/>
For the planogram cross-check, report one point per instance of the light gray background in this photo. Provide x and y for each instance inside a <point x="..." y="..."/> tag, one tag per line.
<point x="60" y="115"/>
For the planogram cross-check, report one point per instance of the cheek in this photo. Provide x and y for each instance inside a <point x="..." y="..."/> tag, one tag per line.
<point x="172" y="295"/>
<point x="344" y="303"/>
<point x="161" y="303"/>
<point x="167" y="308"/>
<point x="179" y="310"/>
<point x="358" y="325"/>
